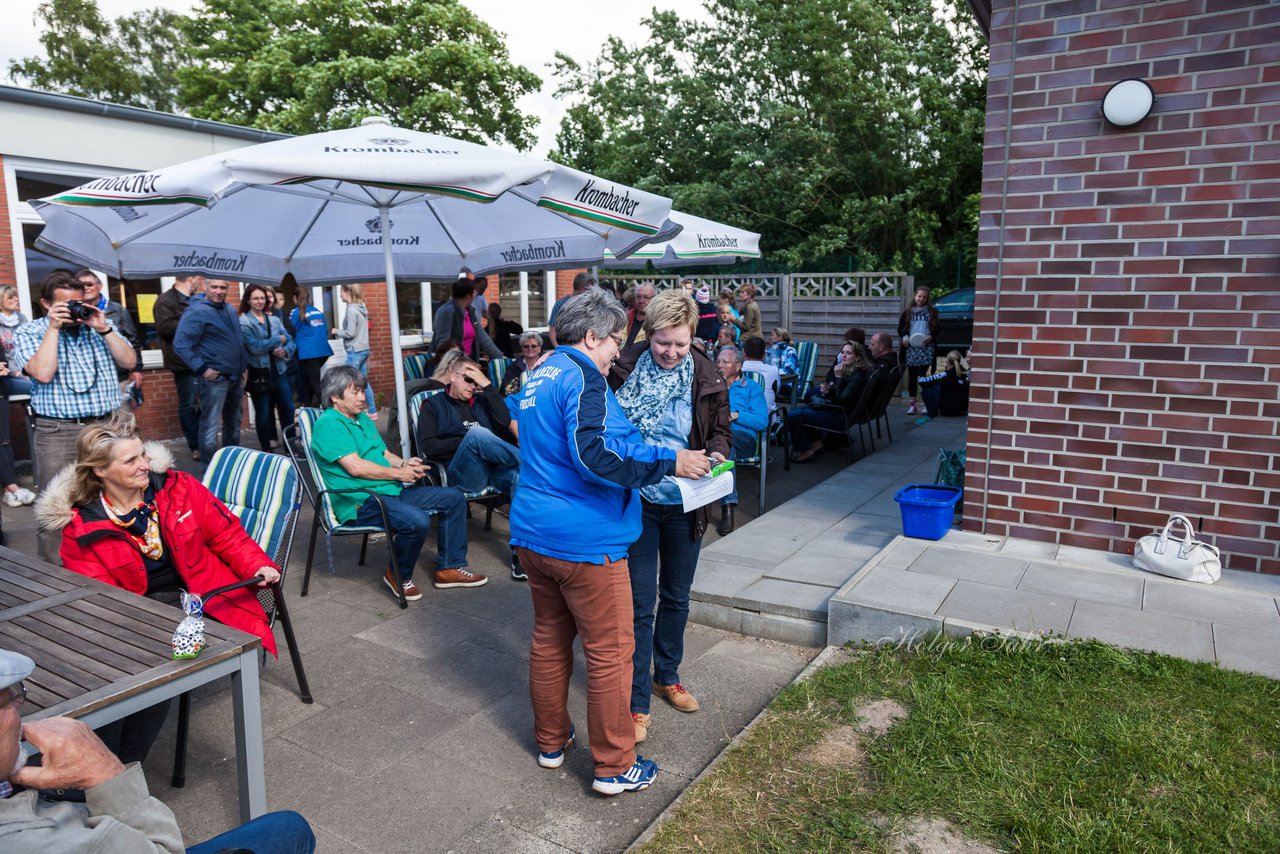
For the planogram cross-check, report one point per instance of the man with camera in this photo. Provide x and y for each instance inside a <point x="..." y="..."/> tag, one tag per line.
<point x="71" y="355"/>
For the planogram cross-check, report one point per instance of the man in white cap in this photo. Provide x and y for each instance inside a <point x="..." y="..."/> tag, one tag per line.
<point x="118" y="813"/>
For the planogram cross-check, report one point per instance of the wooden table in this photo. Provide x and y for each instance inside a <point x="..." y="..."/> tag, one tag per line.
<point x="102" y="653"/>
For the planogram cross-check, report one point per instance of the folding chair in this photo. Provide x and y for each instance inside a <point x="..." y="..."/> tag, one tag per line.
<point x="859" y="416"/>
<point x="415" y="366"/>
<point x="760" y="459"/>
<point x="498" y="370"/>
<point x="806" y="366"/>
<point x="880" y="408"/>
<point x="323" y="516"/>
<point x="264" y="491"/>
<point x="489" y="496"/>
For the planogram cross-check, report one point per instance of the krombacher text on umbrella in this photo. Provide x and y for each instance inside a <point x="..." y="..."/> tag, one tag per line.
<point x="715" y="241"/>
<point x="606" y="200"/>
<point x="347" y="149"/>
<point x="214" y="261"/>
<point x="144" y="182"/>
<point x="548" y="252"/>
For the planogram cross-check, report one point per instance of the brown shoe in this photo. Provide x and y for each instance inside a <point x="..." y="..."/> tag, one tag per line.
<point x="459" y="578"/>
<point x="642" y="726"/>
<point x="677" y="696"/>
<point x="411" y="591"/>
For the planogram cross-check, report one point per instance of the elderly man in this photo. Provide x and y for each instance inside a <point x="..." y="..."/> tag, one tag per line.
<point x="748" y="416"/>
<point x="119" y="317"/>
<point x="351" y="455"/>
<point x="881" y="351"/>
<point x="118" y="813"/>
<point x="573" y="519"/>
<point x="645" y="292"/>
<point x="209" y="340"/>
<point x="72" y="362"/>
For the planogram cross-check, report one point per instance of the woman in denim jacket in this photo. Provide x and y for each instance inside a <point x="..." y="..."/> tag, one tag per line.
<point x="269" y="349"/>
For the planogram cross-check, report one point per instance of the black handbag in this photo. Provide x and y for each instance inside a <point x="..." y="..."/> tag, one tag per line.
<point x="259" y="380"/>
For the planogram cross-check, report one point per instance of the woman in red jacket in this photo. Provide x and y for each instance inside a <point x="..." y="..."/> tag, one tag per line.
<point x="129" y="519"/>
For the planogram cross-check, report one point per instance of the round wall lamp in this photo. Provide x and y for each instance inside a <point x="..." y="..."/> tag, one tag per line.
<point x="1128" y="102"/>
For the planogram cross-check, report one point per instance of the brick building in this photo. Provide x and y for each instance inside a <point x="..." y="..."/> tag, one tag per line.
<point x="1128" y="320"/>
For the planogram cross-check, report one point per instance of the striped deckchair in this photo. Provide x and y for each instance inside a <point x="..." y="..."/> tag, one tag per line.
<point x="489" y="496"/>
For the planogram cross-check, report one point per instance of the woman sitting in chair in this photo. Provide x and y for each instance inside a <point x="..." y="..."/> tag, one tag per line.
<point x="130" y="519"/>
<point x="844" y="388"/>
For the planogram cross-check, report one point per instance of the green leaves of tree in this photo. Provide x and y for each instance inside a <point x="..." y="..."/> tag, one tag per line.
<point x="839" y="129"/>
<point x="296" y="67"/>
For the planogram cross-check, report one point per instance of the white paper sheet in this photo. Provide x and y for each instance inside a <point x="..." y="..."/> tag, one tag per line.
<point x="697" y="492"/>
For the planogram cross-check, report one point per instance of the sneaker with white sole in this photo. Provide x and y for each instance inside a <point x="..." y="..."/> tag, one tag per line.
<point x="636" y="778"/>
<point x="911" y="410"/>
<point x="517" y="574"/>
<point x="411" y="591"/>
<point x="11" y="499"/>
<point x="25" y="495"/>
<point x="459" y="578"/>
<point x="556" y="759"/>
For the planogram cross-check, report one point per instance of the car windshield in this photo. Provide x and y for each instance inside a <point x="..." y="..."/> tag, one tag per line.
<point x="962" y="297"/>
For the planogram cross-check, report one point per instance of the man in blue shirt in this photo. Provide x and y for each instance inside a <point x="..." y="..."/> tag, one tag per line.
<point x="209" y="341"/>
<point x="72" y="364"/>
<point x="748" y="415"/>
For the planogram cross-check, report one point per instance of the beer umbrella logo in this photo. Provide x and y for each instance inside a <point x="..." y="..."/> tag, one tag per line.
<point x="388" y="140"/>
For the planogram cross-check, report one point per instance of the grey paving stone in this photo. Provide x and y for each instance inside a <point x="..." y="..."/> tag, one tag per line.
<point x="812" y="566"/>
<point x="790" y="599"/>
<point x="1249" y="650"/>
<point x="495" y="834"/>
<point x="969" y="565"/>
<point x="423" y="632"/>
<point x="1094" y="558"/>
<point x="973" y="540"/>
<point x="905" y="592"/>
<point x="1257" y="582"/>
<point x="903" y="552"/>
<point x="328" y="843"/>
<point x="848" y="622"/>
<point x="1211" y="604"/>
<point x="720" y="580"/>
<point x="778" y="627"/>
<point x="1126" y="627"/>
<point x="856" y="545"/>
<point x="797" y="528"/>
<point x="1030" y="549"/>
<point x="1080" y="583"/>
<point x="867" y="525"/>
<point x="508" y="747"/>
<point x="764" y="546"/>
<point x="784" y="657"/>
<point x="724" y="617"/>
<point x="1004" y="608"/>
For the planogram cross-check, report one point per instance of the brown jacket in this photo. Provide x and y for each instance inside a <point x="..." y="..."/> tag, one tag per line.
<point x="711" y="429"/>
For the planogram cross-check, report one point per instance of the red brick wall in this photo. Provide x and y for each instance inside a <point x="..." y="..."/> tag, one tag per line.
<point x="1130" y="278"/>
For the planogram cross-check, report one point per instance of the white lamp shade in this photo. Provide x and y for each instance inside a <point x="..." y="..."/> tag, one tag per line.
<point x="1128" y="102"/>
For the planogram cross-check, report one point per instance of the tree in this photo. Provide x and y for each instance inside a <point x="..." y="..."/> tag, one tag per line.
<point x="314" y="65"/>
<point x="132" y="61"/>
<point x="839" y="129"/>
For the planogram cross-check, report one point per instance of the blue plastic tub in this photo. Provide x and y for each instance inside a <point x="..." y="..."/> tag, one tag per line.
<point x="927" y="510"/>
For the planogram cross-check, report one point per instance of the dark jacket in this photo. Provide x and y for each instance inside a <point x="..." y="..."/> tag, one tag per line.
<point x="711" y="427"/>
<point x="119" y="315"/>
<point x="448" y="324"/>
<point x="442" y="422"/>
<point x="209" y="337"/>
<point x="168" y="311"/>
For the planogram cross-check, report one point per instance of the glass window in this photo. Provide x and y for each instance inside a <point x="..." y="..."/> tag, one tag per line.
<point x="36" y="185"/>
<point x="409" y="307"/>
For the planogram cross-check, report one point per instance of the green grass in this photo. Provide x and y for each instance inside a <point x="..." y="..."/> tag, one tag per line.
<point x="1072" y="746"/>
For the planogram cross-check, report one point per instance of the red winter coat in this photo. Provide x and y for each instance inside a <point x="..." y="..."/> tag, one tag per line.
<point x="205" y="540"/>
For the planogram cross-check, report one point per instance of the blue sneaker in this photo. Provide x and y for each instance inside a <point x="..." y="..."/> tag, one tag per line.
<point x="639" y="776"/>
<point x="555" y="760"/>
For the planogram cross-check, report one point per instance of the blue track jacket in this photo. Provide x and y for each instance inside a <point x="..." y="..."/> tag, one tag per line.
<point x="582" y="464"/>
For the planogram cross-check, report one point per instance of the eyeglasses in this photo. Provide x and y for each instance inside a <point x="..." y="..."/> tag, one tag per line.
<point x="468" y="380"/>
<point x="619" y="340"/>
<point x="14" y="694"/>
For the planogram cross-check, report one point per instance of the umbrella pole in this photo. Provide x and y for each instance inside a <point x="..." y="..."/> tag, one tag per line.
<point x="397" y="367"/>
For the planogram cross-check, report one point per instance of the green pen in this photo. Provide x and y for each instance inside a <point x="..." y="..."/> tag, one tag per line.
<point x="721" y="468"/>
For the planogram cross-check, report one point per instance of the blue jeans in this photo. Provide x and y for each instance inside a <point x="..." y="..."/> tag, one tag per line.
<point x="410" y="518"/>
<point x="278" y="398"/>
<point x="744" y="447"/>
<point x="802" y="419"/>
<point x="188" y="415"/>
<point x="9" y="386"/>
<point x="359" y="361"/>
<point x="220" y="402"/>
<point x="662" y="563"/>
<point x="273" y="833"/>
<point x="484" y="460"/>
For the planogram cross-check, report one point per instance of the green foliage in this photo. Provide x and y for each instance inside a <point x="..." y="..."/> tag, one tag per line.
<point x="1035" y="746"/>
<point x="847" y="132"/>
<point x="295" y="66"/>
<point x="132" y="61"/>
<point x="290" y="66"/>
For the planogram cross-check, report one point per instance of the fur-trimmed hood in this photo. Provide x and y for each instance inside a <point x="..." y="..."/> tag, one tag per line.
<point x="53" y="507"/>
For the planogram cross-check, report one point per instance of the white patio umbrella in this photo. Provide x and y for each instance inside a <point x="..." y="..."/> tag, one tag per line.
<point x="319" y="206"/>
<point x="700" y="242"/>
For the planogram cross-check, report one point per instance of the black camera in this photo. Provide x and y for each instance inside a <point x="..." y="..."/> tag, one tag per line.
<point x="78" y="311"/>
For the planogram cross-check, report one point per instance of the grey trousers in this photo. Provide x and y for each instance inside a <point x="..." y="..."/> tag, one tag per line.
<point x="55" y="450"/>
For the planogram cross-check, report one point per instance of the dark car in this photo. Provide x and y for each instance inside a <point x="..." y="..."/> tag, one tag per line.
<point x="955" y="320"/>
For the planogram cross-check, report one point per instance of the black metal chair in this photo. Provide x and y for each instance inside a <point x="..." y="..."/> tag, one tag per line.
<point x="859" y="416"/>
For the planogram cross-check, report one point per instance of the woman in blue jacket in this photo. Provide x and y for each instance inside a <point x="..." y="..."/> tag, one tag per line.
<point x="572" y="520"/>
<point x="311" y="337"/>
<point x="269" y="349"/>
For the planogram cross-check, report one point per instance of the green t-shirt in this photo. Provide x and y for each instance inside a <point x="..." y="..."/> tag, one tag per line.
<point x="335" y="436"/>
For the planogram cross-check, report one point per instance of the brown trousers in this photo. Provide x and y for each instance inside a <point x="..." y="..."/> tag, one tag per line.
<point x="591" y="601"/>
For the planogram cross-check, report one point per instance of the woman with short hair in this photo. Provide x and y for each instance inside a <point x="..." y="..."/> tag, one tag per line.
<point x="677" y="399"/>
<point x="530" y="355"/>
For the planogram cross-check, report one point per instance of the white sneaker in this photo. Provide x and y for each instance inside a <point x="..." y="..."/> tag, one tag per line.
<point x="11" y="499"/>
<point x="26" y="495"/>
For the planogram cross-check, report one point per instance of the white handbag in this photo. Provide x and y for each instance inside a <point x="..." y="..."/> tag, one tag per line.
<point x="1186" y="558"/>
